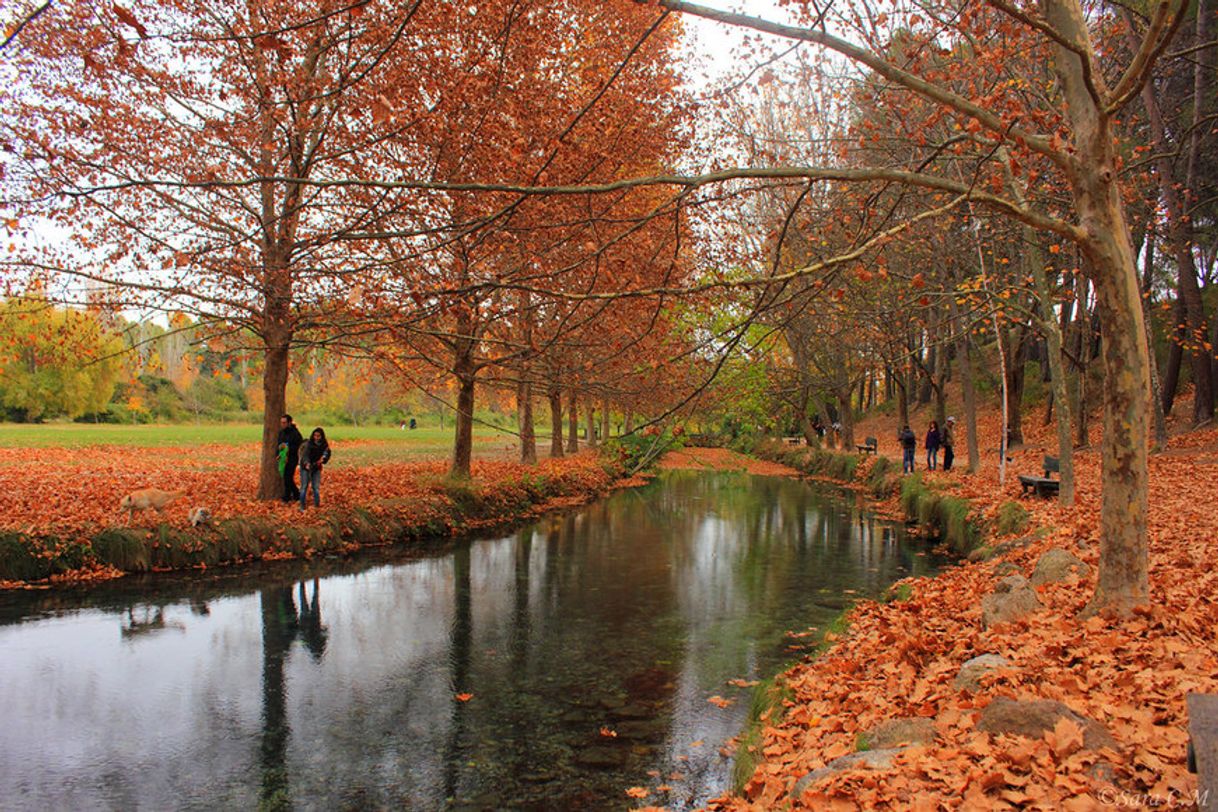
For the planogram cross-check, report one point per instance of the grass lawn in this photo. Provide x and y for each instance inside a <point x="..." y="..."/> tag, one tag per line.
<point x="364" y="444"/>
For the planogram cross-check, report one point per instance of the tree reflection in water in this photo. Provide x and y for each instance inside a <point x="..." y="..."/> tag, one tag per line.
<point x="281" y="624"/>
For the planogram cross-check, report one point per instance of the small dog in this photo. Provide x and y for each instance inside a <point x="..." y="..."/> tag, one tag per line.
<point x="198" y="516"/>
<point x="154" y="498"/>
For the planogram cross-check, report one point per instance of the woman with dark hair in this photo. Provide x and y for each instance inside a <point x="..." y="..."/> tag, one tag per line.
<point x="314" y="453"/>
<point x="932" y="445"/>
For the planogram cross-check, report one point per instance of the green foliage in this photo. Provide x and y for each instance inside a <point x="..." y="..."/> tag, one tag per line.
<point x="947" y="515"/>
<point x="898" y="592"/>
<point x="123" y="549"/>
<point x="638" y="451"/>
<point x="883" y="478"/>
<point x="1012" y="518"/>
<point x="1035" y="388"/>
<point x="54" y="361"/>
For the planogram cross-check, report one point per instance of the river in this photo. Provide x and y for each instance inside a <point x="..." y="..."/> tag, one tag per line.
<point x="550" y="668"/>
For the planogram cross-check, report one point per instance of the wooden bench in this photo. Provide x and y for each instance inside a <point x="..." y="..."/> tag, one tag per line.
<point x="869" y="446"/>
<point x="1044" y="486"/>
<point x="792" y="440"/>
<point x="1203" y="747"/>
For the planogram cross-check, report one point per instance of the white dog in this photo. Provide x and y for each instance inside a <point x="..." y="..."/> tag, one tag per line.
<point x="198" y="516"/>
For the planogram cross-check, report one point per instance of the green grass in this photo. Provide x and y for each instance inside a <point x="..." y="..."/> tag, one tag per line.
<point x="369" y="444"/>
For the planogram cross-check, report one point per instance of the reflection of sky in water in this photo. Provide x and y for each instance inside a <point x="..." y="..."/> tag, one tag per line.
<point x="626" y="615"/>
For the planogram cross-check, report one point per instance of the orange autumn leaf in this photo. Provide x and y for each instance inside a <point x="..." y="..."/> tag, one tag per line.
<point x="719" y="701"/>
<point x="463" y="697"/>
<point x="638" y="792"/>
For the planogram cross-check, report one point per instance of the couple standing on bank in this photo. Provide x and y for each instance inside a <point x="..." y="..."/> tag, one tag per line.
<point x="936" y="438"/>
<point x="309" y="455"/>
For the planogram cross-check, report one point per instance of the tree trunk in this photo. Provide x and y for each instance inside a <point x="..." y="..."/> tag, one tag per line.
<point x="1175" y="355"/>
<point x="1180" y="235"/>
<point x="274" y="400"/>
<point x="463" y="442"/>
<point x="629" y="421"/>
<point x="1016" y="349"/>
<point x="524" y="412"/>
<point x="573" y="424"/>
<point x="844" y="397"/>
<point x="966" y="386"/>
<point x="1057" y="375"/>
<point x="902" y="398"/>
<point x="555" y="396"/>
<point x="591" y="425"/>
<point x="1123" y="580"/>
<point x="1156" y="386"/>
<point x="604" y="419"/>
<point x="1079" y="403"/>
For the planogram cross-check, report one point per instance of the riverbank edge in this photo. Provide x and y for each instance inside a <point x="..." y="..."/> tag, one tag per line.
<point x="449" y="508"/>
<point x="952" y="518"/>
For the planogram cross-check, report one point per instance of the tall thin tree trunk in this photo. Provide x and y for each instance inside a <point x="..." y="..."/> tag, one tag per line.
<point x="1057" y="375"/>
<point x="591" y="424"/>
<point x="555" y="397"/>
<point x="524" y="412"/>
<point x="966" y="387"/>
<point x="1156" y="386"/>
<point x="573" y="424"/>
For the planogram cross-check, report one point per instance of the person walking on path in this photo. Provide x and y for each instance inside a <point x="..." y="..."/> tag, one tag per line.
<point x="313" y="455"/>
<point x="909" y="442"/>
<point x="947" y="439"/>
<point x="932" y="446"/>
<point x="289" y="452"/>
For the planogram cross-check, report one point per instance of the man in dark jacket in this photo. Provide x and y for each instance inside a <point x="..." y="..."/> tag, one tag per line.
<point x="289" y="450"/>
<point x="909" y="442"/>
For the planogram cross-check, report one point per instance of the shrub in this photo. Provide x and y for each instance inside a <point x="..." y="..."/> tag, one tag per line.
<point x="638" y="451"/>
<point x="1012" y="518"/>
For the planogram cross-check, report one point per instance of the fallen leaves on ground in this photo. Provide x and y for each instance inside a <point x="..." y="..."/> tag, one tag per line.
<point x="899" y="659"/>
<point x="75" y="492"/>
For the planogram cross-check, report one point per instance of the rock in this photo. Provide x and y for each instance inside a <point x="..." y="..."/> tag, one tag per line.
<point x="1011" y="600"/>
<point x="970" y="674"/>
<point x="1011" y="583"/>
<point x="1058" y="565"/>
<point x="1032" y="717"/>
<point x="1006" y="568"/>
<point x="906" y="730"/>
<point x="866" y="760"/>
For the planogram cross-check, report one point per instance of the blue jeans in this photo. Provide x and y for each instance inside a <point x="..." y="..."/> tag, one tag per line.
<point x="932" y="458"/>
<point x="907" y="465"/>
<point x="310" y="477"/>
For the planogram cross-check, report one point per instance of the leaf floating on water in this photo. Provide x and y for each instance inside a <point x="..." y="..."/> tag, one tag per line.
<point x="608" y="733"/>
<point x="719" y="701"/>
<point x="464" y="697"/>
<point x="638" y="792"/>
<point x="743" y="683"/>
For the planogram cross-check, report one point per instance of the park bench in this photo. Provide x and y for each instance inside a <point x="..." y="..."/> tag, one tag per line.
<point x="796" y="440"/>
<point x="1044" y="486"/>
<point x="869" y="446"/>
<point x="1203" y="747"/>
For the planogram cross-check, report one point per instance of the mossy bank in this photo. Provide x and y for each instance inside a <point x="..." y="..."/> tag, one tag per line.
<point x="444" y="508"/>
<point x="942" y="514"/>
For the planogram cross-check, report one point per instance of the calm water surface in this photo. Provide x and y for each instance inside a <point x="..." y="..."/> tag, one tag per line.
<point x="334" y="685"/>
